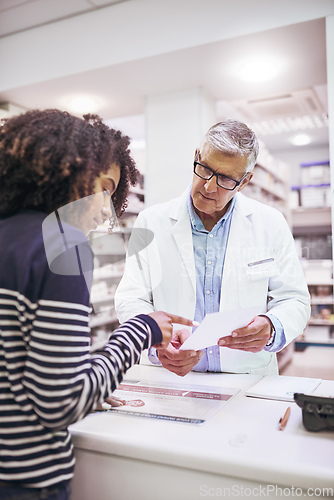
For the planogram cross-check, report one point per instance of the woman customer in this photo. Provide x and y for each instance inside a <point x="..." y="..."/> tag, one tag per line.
<point x="57" y="174"/>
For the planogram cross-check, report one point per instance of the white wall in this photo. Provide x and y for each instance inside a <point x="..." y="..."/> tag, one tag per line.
<point x="138" y="29"/>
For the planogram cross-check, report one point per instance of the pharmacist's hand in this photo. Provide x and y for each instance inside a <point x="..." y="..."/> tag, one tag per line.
<point x="165" y="322"/>
<point x="179" y="362"/>
<point x="251" y="338"/>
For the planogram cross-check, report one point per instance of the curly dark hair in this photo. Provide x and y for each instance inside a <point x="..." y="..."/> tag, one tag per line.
<point x="50" y="158"/>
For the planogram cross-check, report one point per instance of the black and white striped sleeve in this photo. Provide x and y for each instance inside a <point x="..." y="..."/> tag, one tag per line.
<point x="62" y="380"/>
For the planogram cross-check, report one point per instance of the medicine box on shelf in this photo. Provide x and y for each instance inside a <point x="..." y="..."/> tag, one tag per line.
<point x="318" y="272"/>
<point x="315" y="172"/>
<point x="314" y="190"/>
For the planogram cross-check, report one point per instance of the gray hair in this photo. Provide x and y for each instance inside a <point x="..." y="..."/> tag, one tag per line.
<point x="233" y="138"/>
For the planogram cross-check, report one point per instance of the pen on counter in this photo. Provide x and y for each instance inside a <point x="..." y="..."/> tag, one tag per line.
<point x="284" y="420"/>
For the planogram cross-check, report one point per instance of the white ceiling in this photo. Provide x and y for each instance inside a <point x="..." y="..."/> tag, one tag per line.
<point x="20" y="15"/>
<point x="121" y="89"/>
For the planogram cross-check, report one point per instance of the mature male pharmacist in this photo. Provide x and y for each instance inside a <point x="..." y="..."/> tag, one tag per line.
<point x="214" y="249"/>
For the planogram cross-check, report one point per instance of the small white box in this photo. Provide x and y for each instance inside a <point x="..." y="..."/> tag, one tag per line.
<point x="315" y="196"/>
<point x="315" y="174"/>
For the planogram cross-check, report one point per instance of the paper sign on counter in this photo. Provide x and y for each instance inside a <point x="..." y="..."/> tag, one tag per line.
<point x="178" y="402"/>
<point x="282" y="387"/>
<point x="217" y="325"/>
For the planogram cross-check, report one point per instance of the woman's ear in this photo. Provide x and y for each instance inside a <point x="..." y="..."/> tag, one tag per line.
<point x="196" y="153"/>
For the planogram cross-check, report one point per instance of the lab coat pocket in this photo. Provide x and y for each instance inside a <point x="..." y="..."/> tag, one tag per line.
<point x="269" y="366"/>
<point x="253" y="281"/>
<point x="264" y="268"/>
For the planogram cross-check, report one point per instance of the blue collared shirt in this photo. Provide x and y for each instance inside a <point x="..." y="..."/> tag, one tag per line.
<point x="209" y="252"/>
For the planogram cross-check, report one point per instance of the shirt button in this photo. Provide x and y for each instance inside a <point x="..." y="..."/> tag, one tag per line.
<point x="208" y="292"/>
<point x="211" y="235"/>
<point x="209" y="262"/>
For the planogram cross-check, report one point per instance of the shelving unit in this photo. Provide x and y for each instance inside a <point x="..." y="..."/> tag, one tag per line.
<point x="109" y="252"/>
<point x="136" y="203"/>
<point x="312" y="230"/>
<point x="314" y="190"/>
<point x="320" y="327"/>
<point x="270" y="183"/>
<point x="108" y="270"/>
<point x="314" y="220"/>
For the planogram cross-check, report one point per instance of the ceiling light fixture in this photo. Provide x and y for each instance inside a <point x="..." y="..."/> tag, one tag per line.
<point x="259" y="69"/>
<point x="290" y="124"/>
<point x="83" y="104"/>
<point x="300" y="140"/>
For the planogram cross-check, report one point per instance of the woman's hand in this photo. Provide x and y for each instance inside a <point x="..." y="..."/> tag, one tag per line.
<point x="109" y="402"/>
<point x="165" y="322"/>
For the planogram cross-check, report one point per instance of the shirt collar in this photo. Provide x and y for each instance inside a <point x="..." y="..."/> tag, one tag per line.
<point x="195" y="220"/>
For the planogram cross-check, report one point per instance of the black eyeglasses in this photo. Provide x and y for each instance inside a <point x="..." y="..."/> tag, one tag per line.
<point x="222" y="180"/>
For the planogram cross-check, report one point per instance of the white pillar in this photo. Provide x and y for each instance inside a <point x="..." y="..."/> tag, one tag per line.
<point x="330" y="89"/>
<point x="175" y="124"/>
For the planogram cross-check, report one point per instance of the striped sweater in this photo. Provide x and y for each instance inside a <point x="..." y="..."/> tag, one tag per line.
<point x="48" y="378"/>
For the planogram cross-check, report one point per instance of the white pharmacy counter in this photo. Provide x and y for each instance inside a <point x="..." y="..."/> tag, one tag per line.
<point x="237" y="452"/>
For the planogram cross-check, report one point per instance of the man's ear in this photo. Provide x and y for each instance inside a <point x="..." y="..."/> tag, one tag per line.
<point x="246" y="181"/>
<point x="196" y="153"/>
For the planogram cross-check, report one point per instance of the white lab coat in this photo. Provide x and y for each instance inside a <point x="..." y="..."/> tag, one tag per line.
<point x="261" y="269"/>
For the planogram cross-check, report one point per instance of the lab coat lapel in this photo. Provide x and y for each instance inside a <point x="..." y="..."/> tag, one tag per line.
<point x="182" y="235"/>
